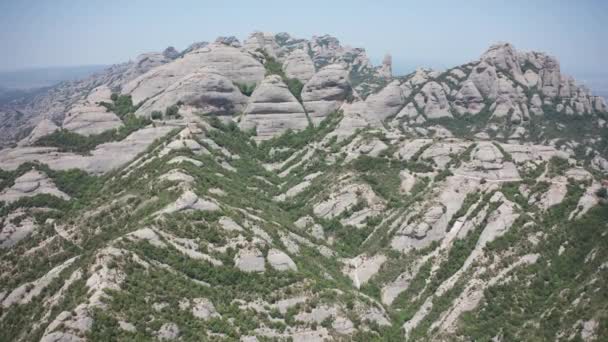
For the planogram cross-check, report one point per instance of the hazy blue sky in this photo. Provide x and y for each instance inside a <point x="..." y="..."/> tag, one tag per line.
<point x="429" y="33"/>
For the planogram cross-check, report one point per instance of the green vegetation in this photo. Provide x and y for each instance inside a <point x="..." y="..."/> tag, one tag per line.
<point x="121" y="105"/>
<point x="67" y="141"/>
<point x="274" y="67"/>
<point x="557" y="166"/>
<point x="246" y="89"/>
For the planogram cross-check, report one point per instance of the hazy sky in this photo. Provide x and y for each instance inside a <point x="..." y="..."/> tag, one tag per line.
<point x="420" y="32"/>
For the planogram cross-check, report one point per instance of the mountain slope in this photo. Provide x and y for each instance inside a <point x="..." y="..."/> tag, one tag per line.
<point x="393" y="215"/>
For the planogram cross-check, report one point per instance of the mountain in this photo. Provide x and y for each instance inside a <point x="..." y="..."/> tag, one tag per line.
<point x="288" y="189"/>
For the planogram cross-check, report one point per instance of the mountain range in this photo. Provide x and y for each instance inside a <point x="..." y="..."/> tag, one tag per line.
<point x="288" y="189"/>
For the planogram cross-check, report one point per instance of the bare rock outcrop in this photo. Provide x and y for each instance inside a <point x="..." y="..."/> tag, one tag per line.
<point x="233" y="63"/>
<point x="31" y="184"/>
<point x="326" y="91"/>
<point x="89" y="117"/>
<point x="205" y="90"/>
<point x="299" y="65"/>
<point x="273" y="109"/>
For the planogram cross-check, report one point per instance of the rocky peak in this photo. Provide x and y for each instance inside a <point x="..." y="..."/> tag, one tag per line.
<point x="194" y="46"/>
<point x="171" y="53"/>
<point x="386" y="70"/>
<point x="230" y="41"/>
<point x="264" y="41"/>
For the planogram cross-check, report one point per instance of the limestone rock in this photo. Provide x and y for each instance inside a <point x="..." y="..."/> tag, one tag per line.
<point x="485" y="80"/>
<point x="273" y="109"/>
<point x="43" y="128"/>
<point x="168" y="331"/>
<point x="387" y="102"/>
<point x="170" y="53"/>
<point x="189" y="201"/>
<point x="230" y="41"/>
<point x="232" y="63"/>
<point x="203" y="308"/>
<point x="264" y="41"/>
<point x="386" y="70"/>
<point x="469" y="99"/>
<point x="206" y="90"/>
<point x="280" y="261"/>
<point x="299" y="65"/>
<point x="326" y="91"/>
<point x="435" y="101"/>
<point x="11" y="231"/>
<point x="88" y="117"/>
<point x="504" y="57"/>
<point x="249" y="260"/>
<point x="30" y="184"/>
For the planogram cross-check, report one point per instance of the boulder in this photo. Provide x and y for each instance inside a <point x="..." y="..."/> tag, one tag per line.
<point x="203" y="308"/>
<point x="273" y="109"/>
<point x="168" y="331"/>
<point x="280" y="261"/>
<point x="249" y="260"/>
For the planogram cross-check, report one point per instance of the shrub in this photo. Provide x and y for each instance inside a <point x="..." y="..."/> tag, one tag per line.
<point x="295" y="87"/>
<point x="68" y="141"/>
<point x="172" y="111"/>
<point x="156" y="115"/>
<point x="602" y="193"/>
<point x="246" y="89"/>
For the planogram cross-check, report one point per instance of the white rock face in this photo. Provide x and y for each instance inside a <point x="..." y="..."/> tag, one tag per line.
<point x="361" y="268"/>
<point x="280" y="261"/>
<point x="250" y="260"/>
<point x="434" y="102"/>
<point x="504" y="57"/>
<point x="30" y="184"/>
<point x="484" y="78"/>
<point x="228" y="224"/>
<point x="103" y="158"/>
<point x="299" y="65"/>
<point x="44" y="127"/>
<point x="205" y="90"/>
<point x="203" y="308"/>
<point x="273" y="109"/>
<point x="235" y="64"/>
<point x="344" y="198"/>
<point x="87" y="117"/>
<point x="264" y="41"/>
<point x="26" y="292"/>
<point x="168" y="331"/>
<point x="12" y="232"/>
<point x="469" y="99"/>
<point x="387" y="102"/>
<point x="189" y="201"/>
<point x="325" y="91"/>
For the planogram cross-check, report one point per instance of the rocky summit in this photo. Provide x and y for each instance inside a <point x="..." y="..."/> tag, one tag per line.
<point x="286" y="189"/>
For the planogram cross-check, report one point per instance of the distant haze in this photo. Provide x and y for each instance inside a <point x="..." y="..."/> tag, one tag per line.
<point x="44" y="77"/>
